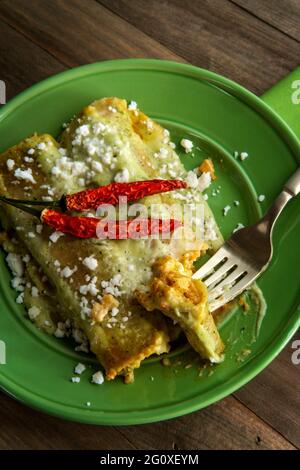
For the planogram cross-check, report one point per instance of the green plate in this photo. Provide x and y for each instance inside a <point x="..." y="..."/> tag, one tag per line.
<point x="221" y="117"/>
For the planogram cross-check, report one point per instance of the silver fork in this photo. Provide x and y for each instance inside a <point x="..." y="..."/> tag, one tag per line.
<point x="246" y="254"/>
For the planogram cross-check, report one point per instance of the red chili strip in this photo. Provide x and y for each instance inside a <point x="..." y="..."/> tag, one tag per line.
<point x="93" y="198"/>
<point x="92" y="227"/>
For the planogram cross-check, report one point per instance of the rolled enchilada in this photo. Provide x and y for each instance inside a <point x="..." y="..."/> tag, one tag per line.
<point x="124" y="295"/>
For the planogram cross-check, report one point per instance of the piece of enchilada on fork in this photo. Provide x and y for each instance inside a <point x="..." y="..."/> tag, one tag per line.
<point x="126" y="299"/>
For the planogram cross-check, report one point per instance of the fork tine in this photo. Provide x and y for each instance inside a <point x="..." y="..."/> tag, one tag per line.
<point x="219" y="273"/>
<point x="226" y="282"/>
<point x="211" y="264"/>
<point x="232" y="293"/>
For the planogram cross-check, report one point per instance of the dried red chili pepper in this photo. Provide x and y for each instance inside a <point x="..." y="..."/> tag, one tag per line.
<point x="92" y="198"/>
<point x="92" y="227"/>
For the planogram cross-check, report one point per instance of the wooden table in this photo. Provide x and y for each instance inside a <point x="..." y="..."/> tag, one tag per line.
<point x="255" y="42"/>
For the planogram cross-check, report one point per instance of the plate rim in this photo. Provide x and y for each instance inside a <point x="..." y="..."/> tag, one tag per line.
<point x="265" y="357"/>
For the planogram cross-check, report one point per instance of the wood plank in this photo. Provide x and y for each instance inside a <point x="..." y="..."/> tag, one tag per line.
<point x="225" y="425"/>
<point x="282" y="15"/>
<point x="24" y="428"/>
<point x="217" y="35"/>
<point x="23" y="64"/>
<point x="237" y="428"/>
<point x="274" y="395"/>
<point x="86" y="31"/>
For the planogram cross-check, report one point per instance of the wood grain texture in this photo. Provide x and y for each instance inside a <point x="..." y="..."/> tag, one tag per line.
<point x="217" y="35"/>
<point x="86" y="31"/>
<point x="247" y="41"/>
<point x="22" y="63"/>
<point x="283" y="15"/>
<point x="226" y="425"/>
<point x="274" y="395"/>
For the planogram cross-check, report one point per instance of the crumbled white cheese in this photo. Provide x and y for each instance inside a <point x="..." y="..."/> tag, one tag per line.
<point x="98" y="378"/>
<point x="238" y="227"/>
<point x="79" y="368"/>
<point x="89" y="289"/>
<point x="39" y="228"/>
<point x="33" y="312"/>
<point x="112" y="286"/>
<point x="192" y="180"/>
<point x="210" y="230"/>
<point x="81" y="182"/>
<point x="75" y="379"/>
<point x="79" y="336"/>
<point x="226" y="209"/>
<point x="67" y="271"/>
<point x="261" y="198"/>
<point x="55" y="236"/>
<point x="114" y="311"/>
<point x="28" y="159"/>
<point x="187" y="145"/>
<point x="132" y="105"/>
<point x="85" y="309"/>
<point x="204" y="181"/>
<point x="112" y="109"/>
<point x="83" y="130"/>
<point x="59" y="333"/>
<point x="90" y="262"/>
<point x="122" y="176"/>
<point x="41" y="146"/>
<point x="10" y="164"/>
<point x="149" y="125"/>
<point x="20" y="298"/>
<point x="24" y="175"/>
<point x="31" y="235"/>
<point x="243" y="156"/>
<point x="30" y="151"/>
<point x="15" y="264"/>
<point x="18" y="283"/>
<point x="34" y="291"/>
<point x="97" y="166"/>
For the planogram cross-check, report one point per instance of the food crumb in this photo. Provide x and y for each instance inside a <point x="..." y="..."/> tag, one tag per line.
<point x="79" y="368"/>
<point x="187" y="145"/>
<point x="261" y="198"/>
<point x="238" y="227"/>
<point x="243" y="354"/>
<point x="75" y="379"/>
<point x="98" y="378"/>
<point x="243" y="156"/>
<point x="226" y="209"/>
<point x="166" y="361"/>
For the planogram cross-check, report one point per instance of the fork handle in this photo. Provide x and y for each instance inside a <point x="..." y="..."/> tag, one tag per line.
<point x="293" y="184"/>
<point x="290" y="189"/>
